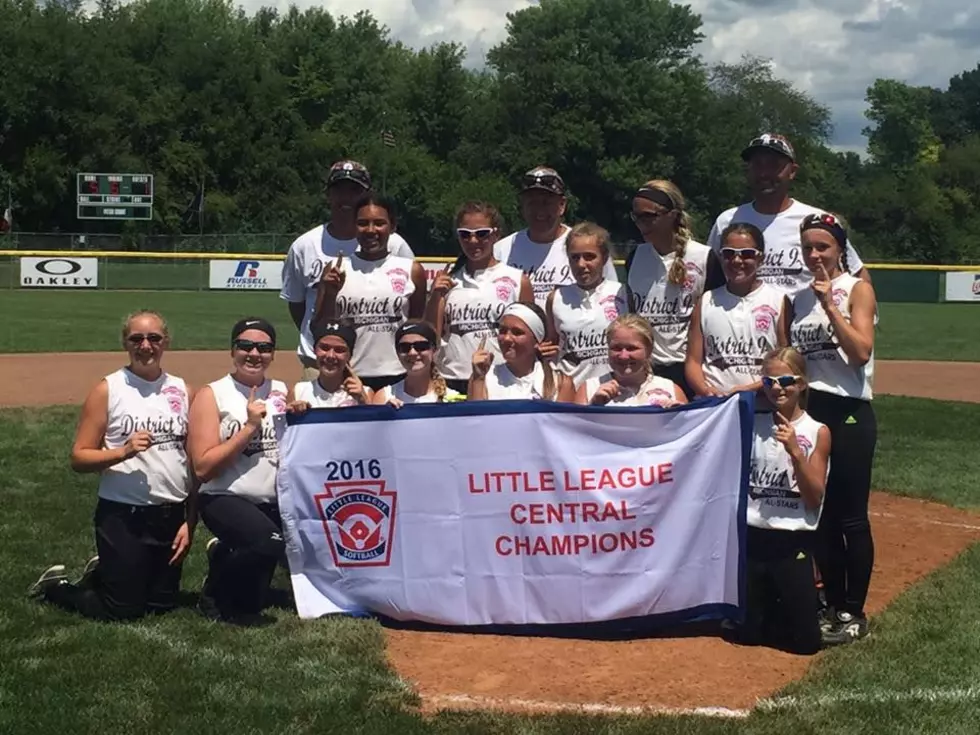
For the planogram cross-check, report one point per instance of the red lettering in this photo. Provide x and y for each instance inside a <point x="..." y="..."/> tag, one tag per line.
<point x="547" y="481"/>
<point x="665" y="472"/>
<point x="580" y="542"/>
<point x="646" y="538"/>
<point x="588" y="479"/>
<point x="513" y="514"/>
<point x="541" y="546"/>
<point x="528" y="487"/>
<point x="537" y="512"/>
<point x="555" y="514"/>
<point x="606" y="480"/>
<point x="590" y="511"/>
<point x="569" y="486"/>
<point x="624" y="512"/>
<point x="607" y="538"/>
<point x="522" y="545"/>
<point x="476" y="489"/>
<point x="627" y="478"/>
<point x="513" y="480"/>
<point x="499" y="546"/>
<point x="628" y="540"/>
<point x="648" y="480"/>
<point x="561" y="545"/>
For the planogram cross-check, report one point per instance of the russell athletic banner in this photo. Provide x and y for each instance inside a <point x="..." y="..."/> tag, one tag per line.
<point x="517" y="512"/>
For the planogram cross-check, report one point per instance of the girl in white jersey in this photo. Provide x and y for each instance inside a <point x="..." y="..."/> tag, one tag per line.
<point x="375" y="290"/>
<point x="667" y="273"/>
<point x="734" y="326"/>
<point x="232" y="440"/>
<point x="787" y="478"/>
<point x="467" y="300"/>
<point x="834" y="327"/>
<point x="417" y="344"/>
<point x="523" y="372"/>
<point x="580" y="313"/>
<point x="629" y="379"/>
<point x="335" y="386"/>
<point x="132" y="431"/>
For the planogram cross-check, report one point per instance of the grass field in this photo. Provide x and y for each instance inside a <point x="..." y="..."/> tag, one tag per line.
<point x="64" y="321"/>
<point x="179" y="673"/>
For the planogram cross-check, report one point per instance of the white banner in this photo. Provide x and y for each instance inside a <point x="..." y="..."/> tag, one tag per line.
<point x="245" y="274"/>
<point x="59" y="272"/>
<point x="517" y="512"/>
<point x="963" y="286"/>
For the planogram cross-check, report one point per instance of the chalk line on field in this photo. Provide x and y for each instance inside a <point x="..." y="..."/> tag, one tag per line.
<point x="929" y="521"/>
<point x="592" y="708"/>
<point x="956" y="695"/>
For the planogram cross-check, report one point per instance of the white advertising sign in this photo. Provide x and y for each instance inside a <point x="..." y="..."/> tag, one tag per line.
<point x="242" y="275"/>
<point x="59" y="272"/>
<point x="517" y="512"/>
<point x="963" y="286"/>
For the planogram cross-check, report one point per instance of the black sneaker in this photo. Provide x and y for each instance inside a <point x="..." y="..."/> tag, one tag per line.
<point x="88" y="578"/>
<point x="845" y="628"/>
<point x="50" y="578"/>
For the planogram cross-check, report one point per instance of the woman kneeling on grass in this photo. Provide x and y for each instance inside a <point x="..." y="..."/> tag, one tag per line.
<point x="336" y="386"/>
<point x="416" y="344"/>
<point x="132" y="431"/>
<point x="233" y="447"/>
<point x="787" y="479"/>
<point x="525" y="372"/>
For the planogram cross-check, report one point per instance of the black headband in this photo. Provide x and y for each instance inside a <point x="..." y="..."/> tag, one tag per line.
<point x="657" y="197"/>
<point x="422" y="329"/>
<point x="827" y="223"/>
<point x="253" y="322"/>
<point x="337" y="329"/>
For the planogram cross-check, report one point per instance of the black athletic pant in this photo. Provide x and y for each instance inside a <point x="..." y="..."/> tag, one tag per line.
<point x="460" y="386"/>
<point x="134" y="576"/>
<point x="845" y="551"/>
<point x="242" y="566"/>
<point x="782" y="599"/>
<point x="381" y="381"/>
<point x="675" y="371"/>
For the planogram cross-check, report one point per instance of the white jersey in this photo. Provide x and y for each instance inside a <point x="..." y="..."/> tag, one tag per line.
<point x="774" y="494"/>
<point x="502" y="384"/>
<point x="313" y="393"/>
<point x="252" y="474"/>
<point x="827" y="365"/>
<point x="581" y="318"/>
<point x="546" y="264"/>
<point x="375" y="297"/>
<point x="668" y="307"/>
<point x="160" y="474"/>
<point x="655" y="391"/>
<point x="782" y="264"/>
<point x="473" y="307"/>
<point x="737" y="333"/>
<point x="307" y="257"/>
<point x="398" y="391"/>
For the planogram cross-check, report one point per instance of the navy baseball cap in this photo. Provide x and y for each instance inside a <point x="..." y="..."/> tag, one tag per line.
<point x="772" y="142"/>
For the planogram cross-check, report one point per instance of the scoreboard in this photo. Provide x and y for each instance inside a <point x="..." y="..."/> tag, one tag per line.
<point x="115" y="196"/>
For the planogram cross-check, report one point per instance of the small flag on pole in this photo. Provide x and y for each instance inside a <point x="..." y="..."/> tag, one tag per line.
<point x="196" y="207"/>
<point x="388" y="138"/>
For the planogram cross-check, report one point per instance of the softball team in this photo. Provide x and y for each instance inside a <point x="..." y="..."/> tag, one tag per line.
<point x="538" y="315"/>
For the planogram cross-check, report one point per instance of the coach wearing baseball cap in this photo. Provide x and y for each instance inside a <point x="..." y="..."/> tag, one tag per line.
<point x="347" y="181"/>
<point x="539" y="249"/>
<point x="771" y="165"/>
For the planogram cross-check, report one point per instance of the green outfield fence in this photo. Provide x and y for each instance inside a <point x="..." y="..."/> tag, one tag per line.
<point x="188" y="271"/>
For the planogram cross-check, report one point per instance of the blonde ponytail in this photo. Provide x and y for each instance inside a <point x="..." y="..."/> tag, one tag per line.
<point x="437" y="383"/>
<point x="682" y="228"/>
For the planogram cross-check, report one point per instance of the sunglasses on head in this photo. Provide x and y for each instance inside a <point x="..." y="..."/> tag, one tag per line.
<point x="743" y="253"/>
<point x="481" y="233"/>
<point x="783" y="381"/>
<point x="137" y="339"/>
<point x="419" y="346"/>
<point x="546" y="179"/>
<point x="247" y="345"/>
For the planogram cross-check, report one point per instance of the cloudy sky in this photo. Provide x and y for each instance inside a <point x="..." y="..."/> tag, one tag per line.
<point x="833" y="49"/>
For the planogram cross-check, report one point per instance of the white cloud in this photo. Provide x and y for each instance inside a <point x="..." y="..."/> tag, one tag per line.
<point x="833" y="49"/>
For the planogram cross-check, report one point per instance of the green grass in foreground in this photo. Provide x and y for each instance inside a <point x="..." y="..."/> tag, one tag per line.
<point x="71" y="321"/>
<point x="181" y="673"/>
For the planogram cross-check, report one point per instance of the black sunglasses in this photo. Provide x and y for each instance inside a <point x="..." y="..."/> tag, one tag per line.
<point x="419" y="346"/>
<point x="247" y="345"/>
<point x="137" y="339"/>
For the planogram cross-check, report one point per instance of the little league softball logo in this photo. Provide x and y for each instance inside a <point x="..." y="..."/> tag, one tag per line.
<point x="804" y="444"/>
<point x="359" y="521"/>
<point x="692" y="273"/>
<point x="175" y="398"/>
<point x="398" y="277"/>
<point x="505" y="288"/>
<point x="611" y="307"/>
<point x="764" y="317"/>
<point x="839" y="296"/>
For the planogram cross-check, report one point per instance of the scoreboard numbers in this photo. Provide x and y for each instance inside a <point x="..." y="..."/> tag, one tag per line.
<point x="115" y="196"/>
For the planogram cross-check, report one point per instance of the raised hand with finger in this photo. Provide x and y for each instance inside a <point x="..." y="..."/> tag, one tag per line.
<point x="255" y="409"/>
<point x="334" y="276"/>
<point x="482" y="359"/>
<point x="822" y="286"/>
<point x="353" y="385"/>
<point x="605" y="393"/>
<point x="443" y="282"/>
<point x="786" y="435"/>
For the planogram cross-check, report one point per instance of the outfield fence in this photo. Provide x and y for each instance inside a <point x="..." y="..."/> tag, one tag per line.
<point x="214" y="270"/>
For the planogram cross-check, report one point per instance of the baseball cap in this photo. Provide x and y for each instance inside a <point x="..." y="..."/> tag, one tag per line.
<point x="772" y="142"/>
<point x="544" y="178"/>
<point x="349" y="171"/>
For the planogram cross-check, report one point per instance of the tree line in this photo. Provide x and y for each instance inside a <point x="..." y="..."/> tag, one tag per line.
<point x="611" y="93"/>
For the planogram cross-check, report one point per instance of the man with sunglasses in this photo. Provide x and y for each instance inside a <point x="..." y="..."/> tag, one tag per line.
<point x="771" y="167"/>
<point x="539" y="249"/>
<point x="347" y="181"/>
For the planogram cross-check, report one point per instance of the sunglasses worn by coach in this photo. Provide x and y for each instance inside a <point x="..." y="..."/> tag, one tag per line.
<point x="137" y="339"/>
<point x="783" y="381"/>
<point x="247" y="345"/>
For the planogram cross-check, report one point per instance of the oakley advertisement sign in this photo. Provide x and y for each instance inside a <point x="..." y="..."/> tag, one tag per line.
<point x="59" y="272"/>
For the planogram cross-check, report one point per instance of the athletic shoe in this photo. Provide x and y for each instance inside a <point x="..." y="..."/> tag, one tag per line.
<point x="827" y="619"/>
<point x="846" y="628"/>
<point x="50" y="578"/>
<point x="205" y="603"/>
<point x="87" y="580"/>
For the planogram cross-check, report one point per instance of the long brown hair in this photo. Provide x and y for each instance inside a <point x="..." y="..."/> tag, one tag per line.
<point x="682" y="228"/>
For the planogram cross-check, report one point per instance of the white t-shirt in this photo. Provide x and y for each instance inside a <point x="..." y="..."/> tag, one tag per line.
<point x="375" y="297"/>
<point x="774" y="494"/>
<point x="546" y="264"/>
<point x="737" y="333"/>
<point x="655" y="391"/>
<point x="252" y="474"/>
<point x="473" y="307"/>
<point x="502" y="384"/>
<point x="313" y="393"/>
<point x="668" y="307"/>
<point x="160" y="474"/>
<point x="304" y="265"/>
<point x="828" y="367"/>
<point x="782" y="265"/>
<point x="398" y="391"/>
<point x="581" y="318"/>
